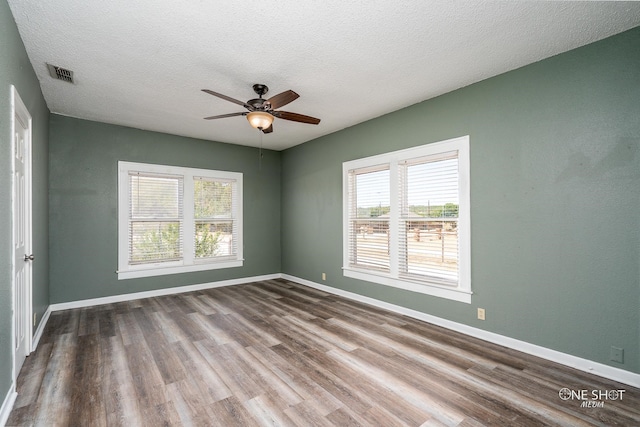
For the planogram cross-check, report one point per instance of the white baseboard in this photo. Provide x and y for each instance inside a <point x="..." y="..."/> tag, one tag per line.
<point x="40" y="329"/>
<point x="7" y="404"/>
<point x="579" y="363"/>
<point x="159" y="292"/>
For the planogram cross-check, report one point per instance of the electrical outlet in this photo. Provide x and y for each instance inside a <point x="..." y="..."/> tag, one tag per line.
<point x="616" y="354"/>
<point x="324" y="276"/>
<point x="481" y="313"/>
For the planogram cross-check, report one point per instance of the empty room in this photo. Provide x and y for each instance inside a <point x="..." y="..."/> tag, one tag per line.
<point x="416" y="213"/>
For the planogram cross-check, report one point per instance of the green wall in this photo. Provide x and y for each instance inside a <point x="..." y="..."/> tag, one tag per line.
<point x="83" y="201"/>
<point x="555" y="200"/>
<point x="15" y="69"/>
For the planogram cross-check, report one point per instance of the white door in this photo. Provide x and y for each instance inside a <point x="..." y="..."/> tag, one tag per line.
<point x="23" y="257"/>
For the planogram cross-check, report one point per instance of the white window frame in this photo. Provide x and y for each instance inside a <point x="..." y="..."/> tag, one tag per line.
<point x="461" y="292"/>
<point x="188" y="263"/>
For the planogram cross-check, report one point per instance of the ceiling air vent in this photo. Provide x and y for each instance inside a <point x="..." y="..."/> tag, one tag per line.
<point x="60" y="73"/>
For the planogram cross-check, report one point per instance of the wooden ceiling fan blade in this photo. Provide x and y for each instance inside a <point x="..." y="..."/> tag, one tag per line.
<point x="222" y="116"/>
<point x="228" y="98"/>
<point x="282" y="99"/>
<point x="295" y="117"/>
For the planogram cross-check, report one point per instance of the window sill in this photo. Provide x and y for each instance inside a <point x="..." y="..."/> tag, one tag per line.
<point x="161" y="271"/>
<point x="455" y="294"/>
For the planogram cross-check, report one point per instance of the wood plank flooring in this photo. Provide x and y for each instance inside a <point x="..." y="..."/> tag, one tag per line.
<point x="276" y="353"/>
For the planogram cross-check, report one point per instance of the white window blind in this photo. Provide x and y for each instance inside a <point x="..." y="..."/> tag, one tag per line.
<point x="216" y="228"/>
<point x="406" y="219"/>
<point x="369" y="217"/>
<point x="155" y="218"/>
<point x="428" y="226"/>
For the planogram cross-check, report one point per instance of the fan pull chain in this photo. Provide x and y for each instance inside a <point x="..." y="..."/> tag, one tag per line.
<point x="260" y="155"/>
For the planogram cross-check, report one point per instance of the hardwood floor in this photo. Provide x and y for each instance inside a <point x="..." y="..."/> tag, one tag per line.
<point x="280" y="354"/>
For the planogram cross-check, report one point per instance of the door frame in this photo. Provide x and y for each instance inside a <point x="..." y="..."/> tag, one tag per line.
<point x="18" y="109"/>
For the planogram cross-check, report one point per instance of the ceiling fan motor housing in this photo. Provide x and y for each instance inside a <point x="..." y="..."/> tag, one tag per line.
<point x="259" y="104"/>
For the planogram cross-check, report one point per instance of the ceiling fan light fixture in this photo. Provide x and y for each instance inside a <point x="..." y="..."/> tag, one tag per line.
<point x="260" y="119"/>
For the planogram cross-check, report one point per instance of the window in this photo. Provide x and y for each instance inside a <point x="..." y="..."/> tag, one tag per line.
<point x="407" y="219"/>
<point x="175" y="220"/>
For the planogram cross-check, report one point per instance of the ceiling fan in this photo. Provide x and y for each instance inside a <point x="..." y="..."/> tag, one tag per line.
<point x="262" y="111"/>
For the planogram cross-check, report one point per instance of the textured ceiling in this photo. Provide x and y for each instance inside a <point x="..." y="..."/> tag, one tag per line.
<point x="142" y="63"/>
